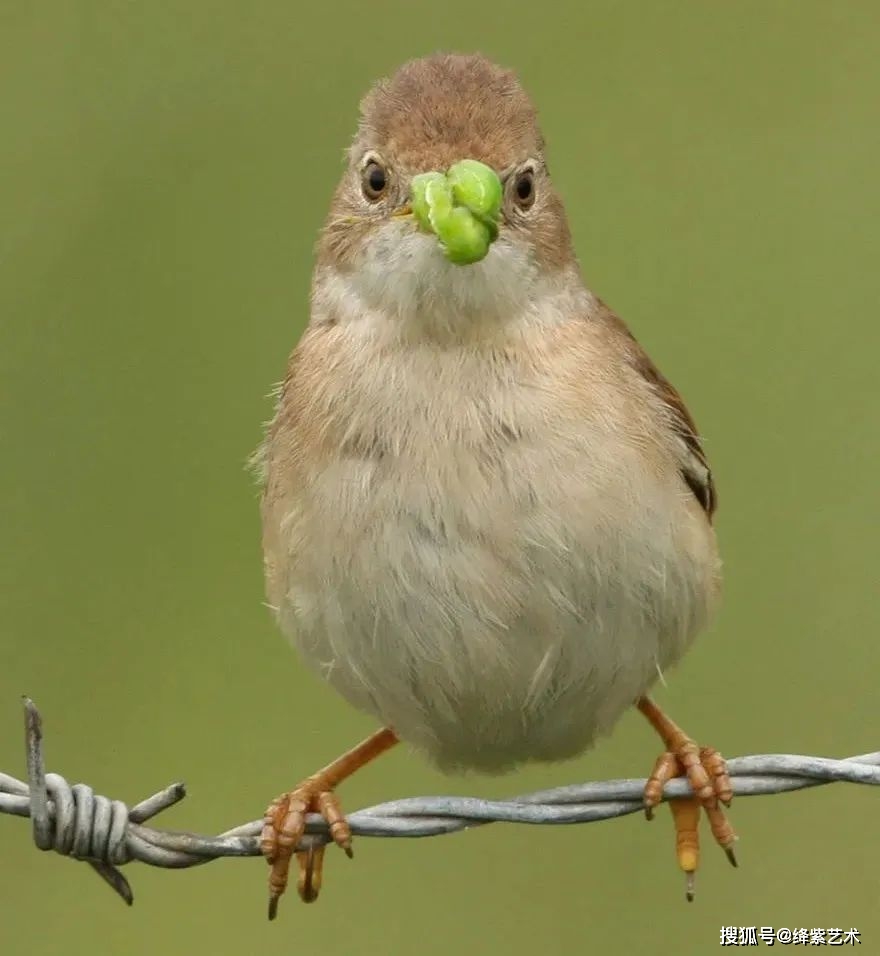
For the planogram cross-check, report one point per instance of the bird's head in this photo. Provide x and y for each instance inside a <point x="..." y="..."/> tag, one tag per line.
<point x="446" y="206"/>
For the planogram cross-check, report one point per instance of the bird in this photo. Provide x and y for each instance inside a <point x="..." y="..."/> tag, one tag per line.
<point x="486" y="514"/>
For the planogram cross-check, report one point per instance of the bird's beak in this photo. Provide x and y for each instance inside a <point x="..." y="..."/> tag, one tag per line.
<point x="460" y="207"/>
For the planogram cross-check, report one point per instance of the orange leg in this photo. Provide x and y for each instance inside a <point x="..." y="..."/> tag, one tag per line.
<point x="707" y="774"/>
<point x="284" y="821"/>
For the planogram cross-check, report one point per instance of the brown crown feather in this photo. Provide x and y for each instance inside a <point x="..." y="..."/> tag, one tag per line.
<point x="437" y="110"/>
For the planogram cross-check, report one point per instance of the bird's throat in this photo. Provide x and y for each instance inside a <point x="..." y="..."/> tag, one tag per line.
<point x="428" y="298"/>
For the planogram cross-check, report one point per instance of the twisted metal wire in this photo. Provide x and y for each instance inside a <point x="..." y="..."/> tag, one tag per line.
<point x="74" y="821"/>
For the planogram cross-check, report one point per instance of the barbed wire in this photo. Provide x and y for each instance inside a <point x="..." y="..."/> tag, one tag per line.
<point x="105" y="833"/>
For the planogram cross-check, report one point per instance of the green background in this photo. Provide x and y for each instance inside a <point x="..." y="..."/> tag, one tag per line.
<point x="165" y="168"/>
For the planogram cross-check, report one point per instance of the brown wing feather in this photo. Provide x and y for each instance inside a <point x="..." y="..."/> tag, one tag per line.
<point x="695" y="468"/>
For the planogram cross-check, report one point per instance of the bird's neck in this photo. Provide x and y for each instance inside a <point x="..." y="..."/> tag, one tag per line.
<point x="462" y="312"/>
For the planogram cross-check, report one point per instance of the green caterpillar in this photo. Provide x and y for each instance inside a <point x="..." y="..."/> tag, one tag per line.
<point x="460" y="207"/>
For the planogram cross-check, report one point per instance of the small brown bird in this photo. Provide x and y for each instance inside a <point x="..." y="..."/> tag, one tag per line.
<point x="486" y="514"/>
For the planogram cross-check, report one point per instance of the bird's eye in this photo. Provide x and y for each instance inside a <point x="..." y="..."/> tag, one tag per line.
<point x="374" y="181"/>
<point x="524" y="188"/>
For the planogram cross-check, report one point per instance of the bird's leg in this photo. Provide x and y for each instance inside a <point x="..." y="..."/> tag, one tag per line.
<point x="707" y="774"/>
<point x="284" y="821"/>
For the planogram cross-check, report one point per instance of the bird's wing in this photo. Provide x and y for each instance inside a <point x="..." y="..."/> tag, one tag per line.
<point x="693" y="463"/>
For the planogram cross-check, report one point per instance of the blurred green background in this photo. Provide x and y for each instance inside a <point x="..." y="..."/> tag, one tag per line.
<point x="164" y="168"/>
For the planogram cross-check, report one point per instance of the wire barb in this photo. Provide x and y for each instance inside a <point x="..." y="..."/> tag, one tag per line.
<point x="74" y="821"/>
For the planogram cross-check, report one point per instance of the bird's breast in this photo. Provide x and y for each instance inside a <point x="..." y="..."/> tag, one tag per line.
<point x="483" y="569"/>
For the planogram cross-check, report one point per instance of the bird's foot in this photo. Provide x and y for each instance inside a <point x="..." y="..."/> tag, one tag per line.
<point x="284" y="824"/>
<point x="284" y="821"/>
<point x="706" y="772"/>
